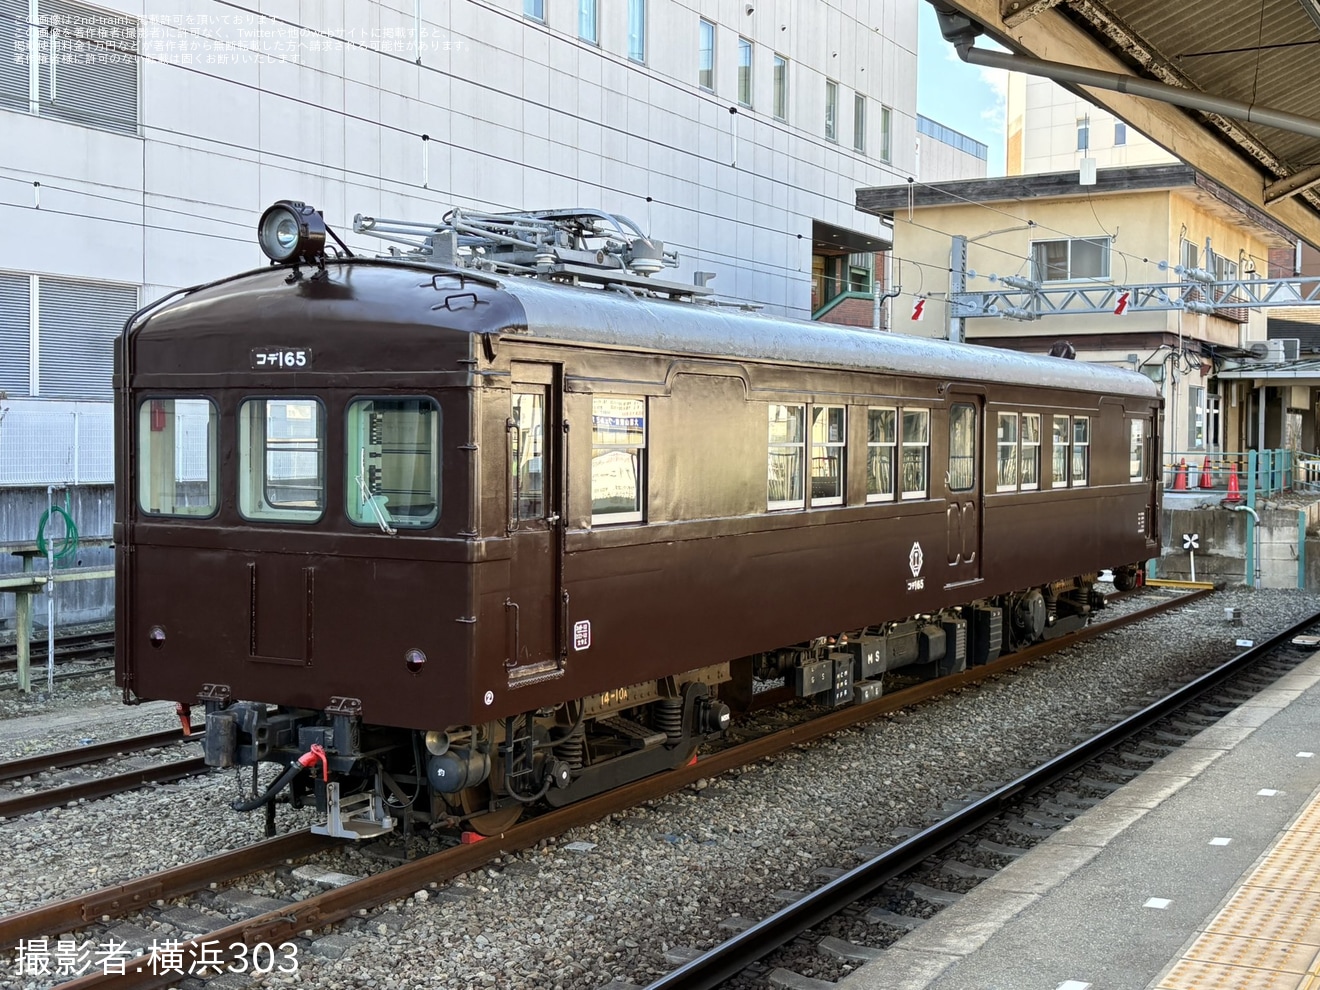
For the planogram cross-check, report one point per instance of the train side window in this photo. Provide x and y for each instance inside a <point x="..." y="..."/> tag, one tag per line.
<point x="1137" y="450"/>
<point x="618" y="459"/>
<point x="1030" y="462"/>
<point x="1007" y="439"/>
<point x="178" y="473"/>
<point x="1059" y="448"/>
<point x="1081" y="461"/>
<point x="281" y="459"/>
<point x="962" y="447"/>
<point x="529" y="456"/>
<point x="914" y="455"/>
<point x="828" y="437"/>
<point x="881" y="439"/>
<point x="392" y="463"/>
<point x="785" y="475"/>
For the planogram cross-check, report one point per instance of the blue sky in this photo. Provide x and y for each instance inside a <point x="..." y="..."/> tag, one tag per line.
<point x="967" y="98"/>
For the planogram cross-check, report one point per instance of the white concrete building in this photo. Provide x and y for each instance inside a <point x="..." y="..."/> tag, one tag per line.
<point x="1050" y="130"/>
<point x="944" y="154"/>
<point x="141" y="139"/>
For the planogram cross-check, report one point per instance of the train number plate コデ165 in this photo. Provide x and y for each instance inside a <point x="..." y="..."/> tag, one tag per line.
<point x="285" y="358"/>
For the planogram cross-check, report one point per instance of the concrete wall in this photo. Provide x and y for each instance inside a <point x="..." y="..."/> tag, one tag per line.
<point x="76" y="602"/>
<point x="1288" y="544"/>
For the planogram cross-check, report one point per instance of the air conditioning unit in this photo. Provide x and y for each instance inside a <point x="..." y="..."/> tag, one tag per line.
<point x="1276" y="351"/>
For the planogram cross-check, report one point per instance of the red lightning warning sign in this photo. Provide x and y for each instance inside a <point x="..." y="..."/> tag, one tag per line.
<point x="1121" y="308"/>
<point x="919" y="309"/>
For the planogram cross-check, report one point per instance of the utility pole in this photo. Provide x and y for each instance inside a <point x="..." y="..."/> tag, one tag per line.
<point x="957" y="285"/>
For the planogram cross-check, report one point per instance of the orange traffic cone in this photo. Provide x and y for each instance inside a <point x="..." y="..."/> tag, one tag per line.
<point x="1180" y="476"/>
<point x="1207" y="479"/>
<point x="1234" y="493"/>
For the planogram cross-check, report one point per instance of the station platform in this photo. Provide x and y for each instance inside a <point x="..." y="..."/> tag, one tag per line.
<point x="1201" y="874"/>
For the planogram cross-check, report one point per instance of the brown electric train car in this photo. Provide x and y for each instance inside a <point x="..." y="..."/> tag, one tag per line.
<point x="442" y="542"/>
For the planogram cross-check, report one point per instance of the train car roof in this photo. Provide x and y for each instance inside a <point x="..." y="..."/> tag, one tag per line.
<point x="616" y="319"/>
<point x="398" y="294"/>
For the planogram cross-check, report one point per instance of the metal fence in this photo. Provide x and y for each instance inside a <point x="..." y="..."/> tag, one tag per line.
<point x="56" y="443"/>
<point x="1260" y="472"/>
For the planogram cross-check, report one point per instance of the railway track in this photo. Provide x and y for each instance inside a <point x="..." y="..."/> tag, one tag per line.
<point x="86" y="646"/>
<point x="1022" y="811"/>
<point x="90" y="790"/>
<point x="316" y="912"/>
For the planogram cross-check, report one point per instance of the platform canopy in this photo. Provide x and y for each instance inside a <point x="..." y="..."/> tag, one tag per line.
<point x="1265" y="53"/>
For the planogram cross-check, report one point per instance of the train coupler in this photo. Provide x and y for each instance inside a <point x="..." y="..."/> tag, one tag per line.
<point x="357" y="816"/>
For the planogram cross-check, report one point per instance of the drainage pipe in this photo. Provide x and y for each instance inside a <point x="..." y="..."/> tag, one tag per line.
<point x="961" y="32"/>
<point x="1254" y="534"/>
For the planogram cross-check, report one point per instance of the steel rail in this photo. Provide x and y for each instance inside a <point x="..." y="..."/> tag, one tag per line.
<point x="66" y="650"/>
<point x="745" y="948"/>
<point x="14" y="769"/>
<point x="134" y="895"/>
<point x="90" y="790"/>
<point x="334" y="905"/>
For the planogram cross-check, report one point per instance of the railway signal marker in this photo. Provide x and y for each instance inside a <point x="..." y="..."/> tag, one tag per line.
<point x="1192" y="543"/>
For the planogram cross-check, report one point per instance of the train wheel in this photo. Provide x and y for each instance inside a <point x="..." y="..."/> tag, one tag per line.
<point x="477" y="816"/>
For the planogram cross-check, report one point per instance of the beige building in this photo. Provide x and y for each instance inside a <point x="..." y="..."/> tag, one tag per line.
<point x="1129" y="229"/>
<point x="1048" y="129"/>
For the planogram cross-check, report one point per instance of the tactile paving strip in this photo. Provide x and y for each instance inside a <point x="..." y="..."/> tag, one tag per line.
<point x="1268" y="935"/>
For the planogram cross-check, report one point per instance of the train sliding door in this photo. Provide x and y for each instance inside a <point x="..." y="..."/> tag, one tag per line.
<point x="962" y="483"/>
<point x="533" y="614"/>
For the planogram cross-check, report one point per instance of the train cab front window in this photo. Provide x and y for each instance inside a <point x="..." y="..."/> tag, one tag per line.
<point x="177" y="462"/>
<point x="281" y="460"/>
<point x="393" y="463"/>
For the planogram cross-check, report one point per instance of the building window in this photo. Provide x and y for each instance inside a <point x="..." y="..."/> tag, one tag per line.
<point x="1083" y="133"/>
<point x="831" y="110"/>
<point x="618" y="459"/>
<point x="1081" y="447"/>
<point x="1007" y="439"/>
<point x="178" y="466"/>
<point x="744" y="72"/>
<point x="1120" y="134"/>
<point x="57" y="335"/>
<point x="861" y="272"/>
<point x="859" y="122"/>
<point x="588" y="27"/>
<point x="1136" y="450"/>
<point x="534" y="9"/>
<point x="881" y="439"/>
<point x="781" y="88"/>
<point x="1066" y="260"/>
<point x="1029" y="465"/>
<point x="281" y="459"/>
<point x="886" y="134"/>
<point x="1196" y="418"/>
<point x="393" y="463"/>
<point x="1059" y="448"/>
<point x="706" y="55"/>
<point x="785" y="486"/>
<point x="962" y="447"/>
<point x="828" y="437"/>
<point x="637" y="30"/>
<point x="86" y="69"/>
<point x="914" y="456"/>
